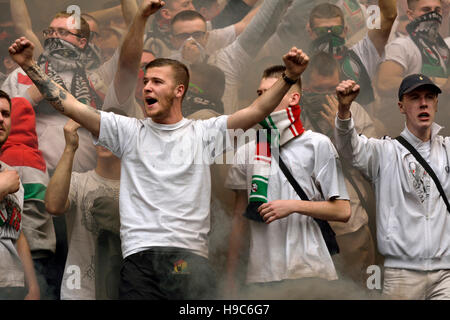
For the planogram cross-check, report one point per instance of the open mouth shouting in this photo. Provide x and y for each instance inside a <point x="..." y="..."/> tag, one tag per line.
<point x="424" y="116"/>
<point x="150" y="101"/>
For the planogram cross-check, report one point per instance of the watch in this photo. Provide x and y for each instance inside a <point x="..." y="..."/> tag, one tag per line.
<point x="287" y="79"/>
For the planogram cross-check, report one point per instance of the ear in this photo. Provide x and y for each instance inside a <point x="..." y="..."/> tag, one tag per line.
<point x="310" y="32"/>
<point x="409" y="13"/>
<point x="402" y="109"/>
<point x="203" y="11"/>
<point x="165" y="14"/>
<point x="294" y="99"/>
<point x="83" y="43"/>
<point x="179" y="90"/>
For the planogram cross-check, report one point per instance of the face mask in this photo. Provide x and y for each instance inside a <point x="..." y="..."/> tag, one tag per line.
<point x="62" y="55"/>
<point x="331" y="43"/>
<point x="201" y="49"/>
<point x="426" y="26"/>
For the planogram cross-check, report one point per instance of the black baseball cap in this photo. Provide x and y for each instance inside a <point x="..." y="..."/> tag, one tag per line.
<point x="414" y="81"/>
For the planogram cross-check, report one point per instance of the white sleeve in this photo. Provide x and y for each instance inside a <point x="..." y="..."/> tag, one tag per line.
<point x="237" y="175"/>
<point x="401" y="52"/>
<point x="116" y="132"/>
<point x="220" y="38"/>
<point x="368" y="54"/>
<point x="363" y="153"/>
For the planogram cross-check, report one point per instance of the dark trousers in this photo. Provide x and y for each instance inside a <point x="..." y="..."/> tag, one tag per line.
<point x="166" y="274"/>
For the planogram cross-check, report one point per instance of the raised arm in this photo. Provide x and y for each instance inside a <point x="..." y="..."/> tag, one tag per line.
<point x="296" y="62"/>
<point x="131" y="50"/>
<point x="21" y="52"/>
<point x="22" y="24"/>
<point x="379" y="37"/>
<point x="57" y="194"/>
<point x="129" y="10"/>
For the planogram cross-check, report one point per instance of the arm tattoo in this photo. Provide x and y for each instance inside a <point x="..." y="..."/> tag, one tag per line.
<point x="48" y="88"/>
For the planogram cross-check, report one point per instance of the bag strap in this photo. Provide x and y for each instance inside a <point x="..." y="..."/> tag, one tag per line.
<point x="327" y="232"/>
<point x="426" y="166"/>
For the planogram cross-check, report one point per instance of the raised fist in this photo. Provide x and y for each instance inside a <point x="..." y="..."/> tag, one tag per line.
<point x="21" y="51"/>
<point x="296" y="62"/>
<point x="346" y="91"/>
<point x="149" y="7"/>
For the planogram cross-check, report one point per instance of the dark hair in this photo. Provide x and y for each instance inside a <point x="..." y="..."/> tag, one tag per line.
<point x="85" y="30"/>
<point x="4" y="95"/>
<point x="276" y="72"/>
<point x="198" y="4"/>
<point x="325" y="11"/>
<point x="212" y="79"/>
<point x="181" y="72"/>
<point x="187" y="15"/>
<point x="323" y="63"/>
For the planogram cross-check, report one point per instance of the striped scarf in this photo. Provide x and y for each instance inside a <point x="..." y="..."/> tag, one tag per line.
<point x="280" y="127"/>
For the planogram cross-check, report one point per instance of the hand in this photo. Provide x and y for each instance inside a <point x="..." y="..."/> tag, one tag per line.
<point x="9" y="182"/>
<point x="71" y="135"/>
<point x="346" y="91"/>
<point x="277" y="209"/>
<point x="21" y="51"/>
<point x="296" y="62"/>
<point x="149" y="7"/>
<point x="331" y="109"/>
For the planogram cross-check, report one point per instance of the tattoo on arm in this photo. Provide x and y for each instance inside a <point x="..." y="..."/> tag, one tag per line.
<point x="51" y="92"/>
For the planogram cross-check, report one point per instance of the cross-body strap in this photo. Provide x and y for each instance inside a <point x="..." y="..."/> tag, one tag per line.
<point x="327" y="232"/>
<point x="426" y="166"/>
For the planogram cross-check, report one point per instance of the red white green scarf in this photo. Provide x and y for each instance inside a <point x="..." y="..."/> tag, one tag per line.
<point x="287" y="125"/>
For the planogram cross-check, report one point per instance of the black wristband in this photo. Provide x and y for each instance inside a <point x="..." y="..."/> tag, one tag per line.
<point x="287" y="79"/>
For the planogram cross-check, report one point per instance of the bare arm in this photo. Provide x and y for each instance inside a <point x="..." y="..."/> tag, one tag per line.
<point x="104" y="15"/>
<point x="379" y="37"/>
<point x="390" y="75"/>
<point x="129" y="10"/>
<point x="22" y="24"/>
<point x="9" y="183"/>
<point x="30" y="276"/>
<point x="21" y="52"/>
<point x="296" y="62"/>
<point x="131" y="50"/>
<point x="331" y="210"/>
<point x="57" y="195"/>
<point x="239" y="231"/>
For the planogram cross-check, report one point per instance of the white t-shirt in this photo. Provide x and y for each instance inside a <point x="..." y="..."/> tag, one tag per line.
<point x="404" y="51"/>
<point x="292" y="247"/>
<point x="165" y="195"/>
<point x="82" y="232"/>
<point x="368" y="54"/>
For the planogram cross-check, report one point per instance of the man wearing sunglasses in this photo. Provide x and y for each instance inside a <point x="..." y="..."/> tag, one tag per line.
<point x="328" y="31"/>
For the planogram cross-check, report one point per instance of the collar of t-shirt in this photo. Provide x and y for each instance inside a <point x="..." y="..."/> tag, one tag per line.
<point x="168" y="127"/>
<point x="422" y="147"/>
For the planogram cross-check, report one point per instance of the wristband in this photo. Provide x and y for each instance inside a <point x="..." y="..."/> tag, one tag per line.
<point x="287" y="79"/>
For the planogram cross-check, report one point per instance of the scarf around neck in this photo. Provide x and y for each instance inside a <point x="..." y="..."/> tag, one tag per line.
<point x="424" y="31"/>
<point x="280" y="127"/>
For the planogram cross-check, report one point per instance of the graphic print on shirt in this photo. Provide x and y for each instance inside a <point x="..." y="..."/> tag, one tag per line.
<point x="420" y="180"/>
<point x="10" y="217"/>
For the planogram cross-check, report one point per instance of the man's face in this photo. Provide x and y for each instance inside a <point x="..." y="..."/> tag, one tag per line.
<point x="95" y="32"/>
<point x="72" y="36"/>
<point x="422" y="7"/>
<point x="5" y="120"/>
<point x="419" y="107"/>
<point x="323" y="84"/>
<point x="183" y="30"/>
<point x="177" y="6"/>
<point x="159" y="92"/>
<point x="321" y="27"/>
<point x="146" y="58"/>
<point x="266" y="84"/>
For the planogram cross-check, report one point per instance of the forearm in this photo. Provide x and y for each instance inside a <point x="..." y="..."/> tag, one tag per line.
<point x="380" y="36"/>
<point x="129" y="10"/>
<point x="104" y="15"/>
<point x="62" y="100"/>
<point x="57" y="194"/>
<point x="331" y="210"/>
<point x="22" y="24"/>
<point x="129" y="60"/>
<point x="27" y="261"/>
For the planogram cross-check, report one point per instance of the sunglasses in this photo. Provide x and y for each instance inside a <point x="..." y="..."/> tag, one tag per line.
<point x="336" y="30"/>
<point x="198" y="35"/>
<point x="58" y="31"/>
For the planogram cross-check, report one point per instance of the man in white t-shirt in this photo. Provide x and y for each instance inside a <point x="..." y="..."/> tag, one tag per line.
<point x="165" y="179"/>
<point x="289" y="246"/>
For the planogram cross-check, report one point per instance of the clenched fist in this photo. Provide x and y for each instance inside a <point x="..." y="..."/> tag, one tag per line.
<point x="21" y="51"/>
<point x="296" y="62"/>
<point x="9" y="182"/>
<point x="149" y="7"/>
<point x="346" y="91"/>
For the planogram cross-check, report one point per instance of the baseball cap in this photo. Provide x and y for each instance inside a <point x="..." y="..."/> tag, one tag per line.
<point x="414" y="81"/>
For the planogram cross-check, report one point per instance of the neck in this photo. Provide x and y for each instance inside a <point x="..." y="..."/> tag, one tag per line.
<point x="422" y="134"/>
<point x="108" y="168"/>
